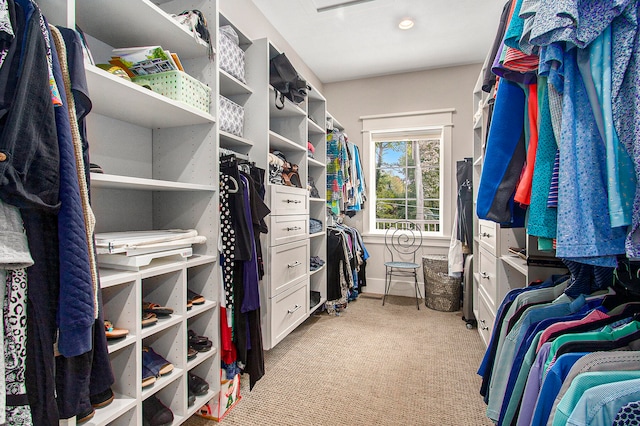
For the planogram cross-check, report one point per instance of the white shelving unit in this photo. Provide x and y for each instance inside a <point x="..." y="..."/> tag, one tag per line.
<point x="160" y="161"/>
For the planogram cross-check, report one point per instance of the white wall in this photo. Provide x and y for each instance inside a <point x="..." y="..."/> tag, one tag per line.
<point x="415" y="91"/>
<point x="247" y="17"/>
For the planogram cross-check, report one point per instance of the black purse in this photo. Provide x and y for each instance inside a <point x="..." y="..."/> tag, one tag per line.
<point x="286" y="81"/>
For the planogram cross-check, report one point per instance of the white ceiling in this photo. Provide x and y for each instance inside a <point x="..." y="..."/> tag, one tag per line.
<point x="362" y="38"/>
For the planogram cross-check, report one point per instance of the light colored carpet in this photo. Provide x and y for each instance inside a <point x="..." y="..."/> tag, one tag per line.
<point x="372" y="365"/>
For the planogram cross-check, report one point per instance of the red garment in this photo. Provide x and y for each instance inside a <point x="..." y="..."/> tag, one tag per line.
<point x="523" y="191"/>
<point x="559" y="326"/>
<point x="228" y="353"/>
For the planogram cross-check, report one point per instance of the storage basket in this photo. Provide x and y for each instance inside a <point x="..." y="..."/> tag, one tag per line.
<point x="230" y="56"/>
<point x="441" y="291"/>
<point x="179" y="86"/>
<point x="231" y="116"/>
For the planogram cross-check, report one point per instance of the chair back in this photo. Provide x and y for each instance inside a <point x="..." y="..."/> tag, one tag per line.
<point x="403" y="239"/>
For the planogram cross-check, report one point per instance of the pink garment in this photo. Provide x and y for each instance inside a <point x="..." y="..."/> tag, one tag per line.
<point x="559" y="326"/>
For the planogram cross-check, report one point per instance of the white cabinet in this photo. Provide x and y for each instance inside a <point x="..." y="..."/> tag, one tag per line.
<point x="159" y="158"/>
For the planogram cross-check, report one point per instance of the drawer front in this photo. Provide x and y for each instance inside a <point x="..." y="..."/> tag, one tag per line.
<point x="486" y="318"/>
<point x="487" y="235"/>
<point x="287" y="200"/>
<point x="488" y="277"/>
<point x="288" y="310"/>
<point x="288" y="264"/>
<point x="287" y="229"/>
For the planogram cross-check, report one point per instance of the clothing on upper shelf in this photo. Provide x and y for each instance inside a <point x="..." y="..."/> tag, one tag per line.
<point x="346" y="188"/>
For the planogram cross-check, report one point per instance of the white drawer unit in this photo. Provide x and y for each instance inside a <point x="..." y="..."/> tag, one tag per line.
<point x="289" y="263"/>
<point x="289" y="310"/>
<point x="486" y="317"/>
<point x="487" y="275"/>
<point x="487" y="235"/>
<point x="286" y="229"/>
<point x="288" y="200"/>
<point x="497" y="239"/>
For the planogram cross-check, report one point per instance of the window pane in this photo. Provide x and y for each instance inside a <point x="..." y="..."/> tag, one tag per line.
<point x="412" y="210"/>
<point x="391" y="210"/>
<point x="429" y="153"/>
<point x="431" y="182"/>
<point x="390" y="154"/>
<point x="411" y="183"/>
<point x="432" y="209"/>
<point x="390" y="183"/>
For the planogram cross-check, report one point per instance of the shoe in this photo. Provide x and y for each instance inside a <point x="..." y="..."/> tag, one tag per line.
<point x="199" y="343"/>
<point x="155" y="413"/>
<point x="197" y="385"/>
<point x="114" y="333"/>
<point x="155" y="363"/>
<point x="85" y="416"/>
<point x="148" y="319"/>
<point x="195" y="298"/>
<point x="191" y="354"/>
<point x="102" y="399"/>
<point x="148" y="378"/>
<point x="191" y="398"/>
<point x="160" y="311"/>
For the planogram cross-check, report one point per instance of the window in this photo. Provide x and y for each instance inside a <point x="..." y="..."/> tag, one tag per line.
<point x="408" y="158"/>
<point x="407" y="180"/>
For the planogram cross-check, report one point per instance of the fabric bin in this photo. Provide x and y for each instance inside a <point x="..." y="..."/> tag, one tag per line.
<point x="230" y="55"/>
<point x="231" y="116"/>
<point x="179" y="86"/>
<point x="441" y="291"/>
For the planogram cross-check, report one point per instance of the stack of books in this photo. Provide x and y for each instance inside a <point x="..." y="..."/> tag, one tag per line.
<point x="137" y="61"/>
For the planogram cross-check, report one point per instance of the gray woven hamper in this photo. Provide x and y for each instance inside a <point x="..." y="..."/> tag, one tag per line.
<point x="441" y="292"/>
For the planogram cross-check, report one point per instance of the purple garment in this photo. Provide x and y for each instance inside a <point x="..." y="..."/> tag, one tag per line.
<point x="251" y="300"/>
<point x="532" y="388"/>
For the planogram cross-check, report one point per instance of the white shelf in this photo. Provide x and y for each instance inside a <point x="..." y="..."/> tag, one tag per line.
<point x="317" y="234"/>
<point x="121" y="99"/>
<point x="200" y="259"/>
<point x="516" y="263"/>
<point x="231" y="86"/>
<point x="289" y="110"/>
<point x="137" y="23"/>
<point x="161" y="325"/>
<point x="198" y="309"/>
<point x="200" y="401"/>
<point x="119" y="406"/>
<point x="315" y="163"/>
<point x="317" y="200"/>
<point x="281" y="143"/>
<point x="311" y="273"/>
<point x="323" y="300"/>
<point x="200" y="358"/>
<point x="112" y="277"/>
<point x="314" y="128"/>
<point x="234" y="143"/>
<point x="116" y="345"/>
<point x="161" y="383"/>
<point x="100" y="180"/>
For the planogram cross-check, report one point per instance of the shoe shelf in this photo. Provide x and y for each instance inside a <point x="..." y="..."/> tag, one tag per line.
<point x="281" y="143"/>
<point x="113" y="411"/>
<point x="315" y="128"/>
<point x="118" y="98"/>
<point x="315" y="163"/>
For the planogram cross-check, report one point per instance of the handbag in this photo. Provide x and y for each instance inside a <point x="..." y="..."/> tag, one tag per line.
<point x="286" y="81"/>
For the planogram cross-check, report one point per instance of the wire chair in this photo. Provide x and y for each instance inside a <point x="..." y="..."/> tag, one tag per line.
<point x="403" y="239"/>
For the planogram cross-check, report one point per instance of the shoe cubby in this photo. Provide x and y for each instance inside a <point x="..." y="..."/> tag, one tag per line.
<point x="174" y="396"/>
<point x="121" y="306"/>
<point x="125" y="389"/>
<point x="170" y="344"/>
<point x="201" y="325"/>
<point x="199" y="281"/>
<point x="209" y="371"/>
<point x="165" y="290"/>
<point x="130" y="418"/>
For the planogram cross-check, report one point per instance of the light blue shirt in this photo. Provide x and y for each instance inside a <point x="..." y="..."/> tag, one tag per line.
<point x="599" y="405"/>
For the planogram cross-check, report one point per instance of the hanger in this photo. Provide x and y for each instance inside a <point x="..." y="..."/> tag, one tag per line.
<point x="235" y="183"/>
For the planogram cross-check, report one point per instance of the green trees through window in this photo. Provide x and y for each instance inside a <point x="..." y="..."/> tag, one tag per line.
<point x="407" y="182"/>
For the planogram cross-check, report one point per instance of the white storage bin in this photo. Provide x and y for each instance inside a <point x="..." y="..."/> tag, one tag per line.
<point x="231" y="56"/>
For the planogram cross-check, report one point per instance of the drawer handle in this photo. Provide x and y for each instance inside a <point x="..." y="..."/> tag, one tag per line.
<point x="486" y="235"/>
<point x="484" y="275"/>
<point x="293" y="228"/>
<point x="294" y="264"/>
<point x="484" y="327"/>
<point x="294" y="309"/>
<point x="292" y="201"/>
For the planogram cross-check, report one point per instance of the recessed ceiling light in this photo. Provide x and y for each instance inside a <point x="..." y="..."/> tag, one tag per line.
<point x="405" y="24"/>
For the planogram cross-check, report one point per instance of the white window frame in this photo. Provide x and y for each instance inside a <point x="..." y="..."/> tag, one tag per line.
<point x="379" y="127"/>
